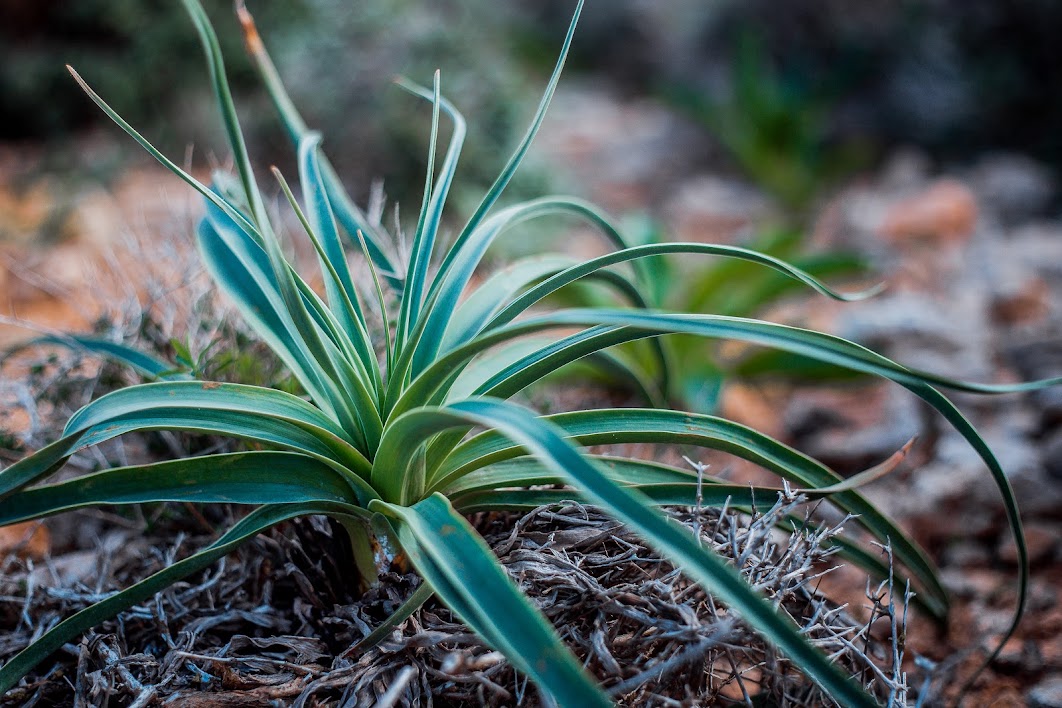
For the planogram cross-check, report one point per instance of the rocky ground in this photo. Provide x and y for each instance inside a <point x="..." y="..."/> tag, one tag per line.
<point x="972" y="257"/>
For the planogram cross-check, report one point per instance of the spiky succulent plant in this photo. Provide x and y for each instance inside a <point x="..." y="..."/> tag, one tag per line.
<point x="399" y="444"/>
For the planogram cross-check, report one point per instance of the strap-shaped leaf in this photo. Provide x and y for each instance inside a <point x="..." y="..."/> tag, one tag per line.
<point x="814" y="345"/>
<point x="169" y="164"/>
<point x="758" y="293"/>
<point x="246" y="529"/>
<point x="143" y="363"/>
<point x="291" y="297"/>
<point x="633" y="253"/>
<point x="483" y="368"/>
<point x="662" y="479"/>
<point x="506" y="175"/>
<point x="319" y="213"/>
<point x="203" y="396"/>
<point x="487" y="299"/>
<point x="327" y="321"/>
<point x="528" y="471"/>
<point x="491" y="297"/>
<point x="498" y="487"/>
<point x="244" y="275"/>
<point x="457" y="251"/>
<point x="510" y="368"/>
<point x="456" y="561"/>
<point x="520" y="374"/>
<point x="341" y="381"/>
<point x="434" y="201"/>
<point x="265" y="291"/>
<point x="247" y="412"/>
<point x="546" y="442"/>
<point x="216" y="65"/>
<point x="342" y="295"/>
<point x="492" y="488"/>
<point x="233" y="478"/>
<point x="420" y="253"/>
<point x="457" y="270"/>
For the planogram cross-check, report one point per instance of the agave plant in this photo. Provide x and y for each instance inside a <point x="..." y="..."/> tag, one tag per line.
<point x="400" y="444"/>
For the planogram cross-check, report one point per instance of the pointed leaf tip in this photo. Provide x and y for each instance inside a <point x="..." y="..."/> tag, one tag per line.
<point x="251" y="38"/>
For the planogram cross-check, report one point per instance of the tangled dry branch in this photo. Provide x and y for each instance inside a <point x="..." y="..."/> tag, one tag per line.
<point x="272" y="626"/>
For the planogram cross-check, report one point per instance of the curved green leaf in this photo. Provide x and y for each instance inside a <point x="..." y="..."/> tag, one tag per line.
<point x="423" y="242"/>
<point x="506" y="175"/>
<point x="451" y="283"/>
<point x="491" y="489"/>
<point x="233" y="478"/>
<point x="574" y="273"/>
<point x="143" y="363"/>
<point x="339" y="284"/>
<point x="435" y="199"/>
<point x="451" y="556"/>
<point x="246" y="412"/>
<point x="216" y="65"/>
<point x="265" y="290"/>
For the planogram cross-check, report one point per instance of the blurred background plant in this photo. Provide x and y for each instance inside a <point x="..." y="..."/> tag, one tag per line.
<point x="337" y="56"/>
<point x="775" y="127"/>
<point x="699" y="369"/>
<point x="954" y="77"/>
<point x="37" y="40"/>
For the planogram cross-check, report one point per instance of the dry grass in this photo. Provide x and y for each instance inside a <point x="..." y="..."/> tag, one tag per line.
<point x="273" y="624"/>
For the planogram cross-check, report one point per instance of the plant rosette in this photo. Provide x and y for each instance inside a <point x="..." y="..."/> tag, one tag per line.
<point x="399" y="434"/>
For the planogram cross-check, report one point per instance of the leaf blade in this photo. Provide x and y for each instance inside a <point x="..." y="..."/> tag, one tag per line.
<point x="464" y="569"/>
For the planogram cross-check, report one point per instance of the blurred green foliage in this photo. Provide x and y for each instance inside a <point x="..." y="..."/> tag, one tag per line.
<point x="103" y="39"/>
<point x="775" y="126"/>
<point x="953" y="77"/>
<point x="338" y="56"/>
<point x="698" y="370"/>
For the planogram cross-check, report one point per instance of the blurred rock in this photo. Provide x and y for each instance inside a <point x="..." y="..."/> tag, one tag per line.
<point x="29" y="539"/>
<point x="967" y="553"/>
<point x="1014" y="187"/>
<point x="970" y="583"/>
<point x="623" y="154"/>
<point x="905" y="169"/>
<point x="935" y="333"/>
<point x="1051" y="453"/>
<point x="1046" y="694"/>
<point x="1020" y="300"/>
<point x="1036" y="246"/>
<point x="853" y="429"/>
<point x="945" y="211"/>
<point x="711" y="209"/>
